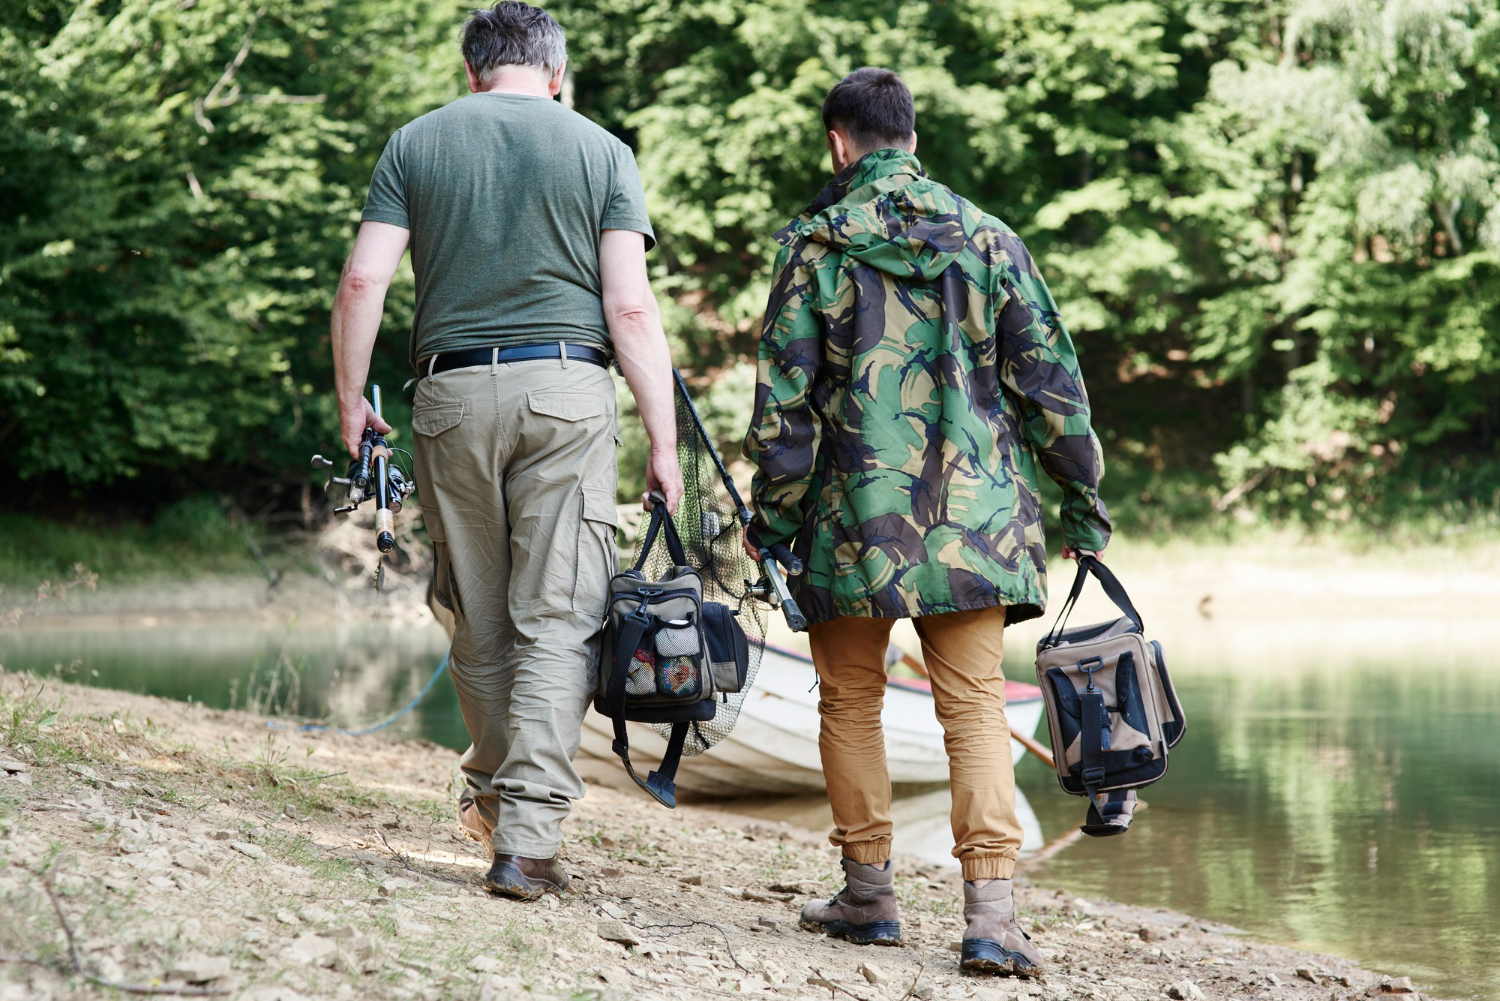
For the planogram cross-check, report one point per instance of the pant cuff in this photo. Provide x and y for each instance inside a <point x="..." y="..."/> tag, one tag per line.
<point x="989" y="867"/>
<point x="868" y="852"/>
<point x="525" y="849"/>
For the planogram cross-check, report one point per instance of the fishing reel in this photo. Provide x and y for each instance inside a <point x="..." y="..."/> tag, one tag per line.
<point x="772" y="589"/>
<point x="374" y="475"/>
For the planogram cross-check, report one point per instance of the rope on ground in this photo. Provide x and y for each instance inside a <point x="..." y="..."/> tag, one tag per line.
<point x="324" y="728"/>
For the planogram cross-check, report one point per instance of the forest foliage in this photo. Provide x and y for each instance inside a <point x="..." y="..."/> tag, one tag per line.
<point x="1273" y="227"/>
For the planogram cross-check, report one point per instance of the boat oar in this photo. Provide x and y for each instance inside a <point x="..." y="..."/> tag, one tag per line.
<point x="912" y="662"/>
<point x="1020" y="738"/>
<point x="1035" y="748"/>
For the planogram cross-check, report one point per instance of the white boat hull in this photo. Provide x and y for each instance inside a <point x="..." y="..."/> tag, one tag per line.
<point x="773" y="749"/>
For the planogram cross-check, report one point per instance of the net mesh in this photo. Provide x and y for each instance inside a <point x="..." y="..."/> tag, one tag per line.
<point x="713" y="540"/>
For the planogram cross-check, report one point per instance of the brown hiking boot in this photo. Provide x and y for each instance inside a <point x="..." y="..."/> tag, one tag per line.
<point x="525" y="878"/>
<point x="470" y="821"/>
<point x="864" y="911"/>
<point x="993" y="942"/>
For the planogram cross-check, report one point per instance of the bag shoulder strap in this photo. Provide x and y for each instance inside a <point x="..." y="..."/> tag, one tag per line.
<point x="1113" y="590"/>
<point x="1093" y="739"/>
<point x="660" y="784"/>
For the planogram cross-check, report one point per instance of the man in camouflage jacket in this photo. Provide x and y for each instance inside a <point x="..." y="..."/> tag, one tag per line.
<point x="913" y="374"/>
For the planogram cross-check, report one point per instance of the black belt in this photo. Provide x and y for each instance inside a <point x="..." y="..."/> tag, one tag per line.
<point x="448" y="360"/>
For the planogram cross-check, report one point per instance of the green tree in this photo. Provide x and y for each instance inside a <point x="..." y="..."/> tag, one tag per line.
<point x="178" y="186"/>
<point x="1273" y="228"/>
<point x="1349" y="174"/>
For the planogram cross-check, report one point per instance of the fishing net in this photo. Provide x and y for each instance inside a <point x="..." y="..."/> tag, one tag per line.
<point x="713" y="538"/>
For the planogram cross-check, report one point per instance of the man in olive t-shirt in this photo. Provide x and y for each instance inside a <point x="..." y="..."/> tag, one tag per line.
<point x="528" y="234"/>
<point x="510" y="192"/>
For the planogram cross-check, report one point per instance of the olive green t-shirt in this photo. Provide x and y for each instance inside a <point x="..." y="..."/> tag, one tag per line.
<point x="505" y="196"/>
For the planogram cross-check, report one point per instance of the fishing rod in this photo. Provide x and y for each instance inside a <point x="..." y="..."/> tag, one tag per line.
<point x="772" y="587"/>
<point x="373" y="475"/>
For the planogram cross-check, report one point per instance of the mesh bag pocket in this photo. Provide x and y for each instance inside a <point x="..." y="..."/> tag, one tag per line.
<point x="642" y="678"/>
<point x="678" y="638"/>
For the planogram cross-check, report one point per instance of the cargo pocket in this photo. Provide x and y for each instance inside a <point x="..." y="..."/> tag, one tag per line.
<point x="1069" y="717"/>
<point x="432" y="419"/>
<point x="728" y="647"/>
<point x="567" y="405"/>
<point x="443" y="592"/>
<point x="597" y="559"/>
<point x="1130" y="728"/>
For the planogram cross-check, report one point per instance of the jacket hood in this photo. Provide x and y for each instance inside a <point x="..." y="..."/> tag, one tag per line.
<point x="884" y="211"/>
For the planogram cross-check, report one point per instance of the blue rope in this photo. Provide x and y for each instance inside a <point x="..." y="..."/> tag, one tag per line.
<point x="271" y="724"/>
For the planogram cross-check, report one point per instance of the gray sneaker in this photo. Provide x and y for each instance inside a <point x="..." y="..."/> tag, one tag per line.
<point x="864" y="911"/>
<point x="993" y="942"/>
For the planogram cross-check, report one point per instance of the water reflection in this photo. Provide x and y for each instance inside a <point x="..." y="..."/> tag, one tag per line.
<point x="1336" y="788"/>
<point x="348" y="674"/>
<point x="1345" y="806"/>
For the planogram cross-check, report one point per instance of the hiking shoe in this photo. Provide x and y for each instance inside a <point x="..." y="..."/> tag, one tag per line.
<point x="470" y="821"/>
<point x="864" y="911"/>
<point x="993" y="942"/>
<point x="525" y="878"/>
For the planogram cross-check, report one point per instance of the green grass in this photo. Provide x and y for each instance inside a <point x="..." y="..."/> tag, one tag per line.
<point x="31" y="722"/>
<point x="187" y="539"/>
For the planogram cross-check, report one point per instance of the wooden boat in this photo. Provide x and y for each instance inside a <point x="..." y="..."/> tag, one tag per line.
<point x="773" y="749"/>
<point x="922" y="821"/>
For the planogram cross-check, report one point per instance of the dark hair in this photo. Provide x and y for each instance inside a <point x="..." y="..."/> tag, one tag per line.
<point x="512" y="34"/>
<point x="872" y="107"/>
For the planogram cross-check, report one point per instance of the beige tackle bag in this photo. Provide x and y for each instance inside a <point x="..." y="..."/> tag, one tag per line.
<point x="1111" y="709"/>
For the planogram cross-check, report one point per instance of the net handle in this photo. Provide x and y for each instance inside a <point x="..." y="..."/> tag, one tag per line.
<point x="734" y="495"/>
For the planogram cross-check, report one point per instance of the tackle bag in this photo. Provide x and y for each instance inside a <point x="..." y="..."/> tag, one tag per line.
<point x="1111" y="710"/>
<point x="667" y="654"/>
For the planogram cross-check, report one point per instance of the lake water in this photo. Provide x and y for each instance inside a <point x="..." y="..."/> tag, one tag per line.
<point x="1337" y="787"/>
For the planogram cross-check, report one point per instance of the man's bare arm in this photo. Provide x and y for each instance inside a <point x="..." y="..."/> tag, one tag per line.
<point x="357" y="309"/>
<point x="635" y="326"/>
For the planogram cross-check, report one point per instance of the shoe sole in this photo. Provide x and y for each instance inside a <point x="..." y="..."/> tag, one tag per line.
<point x="519" y="886"/>
<point x="870" y="933"/>
<point x="984" y="956"/>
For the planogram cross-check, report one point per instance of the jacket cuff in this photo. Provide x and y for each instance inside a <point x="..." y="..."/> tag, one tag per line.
<point x="1090" y="531"/>
<point x="776" y="532"/>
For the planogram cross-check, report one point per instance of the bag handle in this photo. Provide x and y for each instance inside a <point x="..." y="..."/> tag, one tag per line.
<point x="661" y="518"/>
<point x="1113" y="590"/>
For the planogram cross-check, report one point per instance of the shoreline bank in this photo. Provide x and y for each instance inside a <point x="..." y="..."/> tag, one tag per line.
<point x="1278" y="577"/>
<point x="190" y="845"/>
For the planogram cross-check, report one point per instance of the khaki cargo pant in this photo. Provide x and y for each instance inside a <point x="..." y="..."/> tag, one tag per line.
<point x="962" y="651"/>
<point x="516" y="466"/>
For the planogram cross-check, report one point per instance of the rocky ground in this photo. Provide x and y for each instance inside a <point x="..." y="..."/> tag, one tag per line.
<point x="155" y="847"/>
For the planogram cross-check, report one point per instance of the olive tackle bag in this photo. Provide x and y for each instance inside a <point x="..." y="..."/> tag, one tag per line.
<point x="667" y="654"/>
<point x="1112" y="712"/>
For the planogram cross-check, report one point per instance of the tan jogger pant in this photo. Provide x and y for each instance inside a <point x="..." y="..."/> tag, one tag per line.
<point x="962" y="652"/>
<point x="515" y="468"/>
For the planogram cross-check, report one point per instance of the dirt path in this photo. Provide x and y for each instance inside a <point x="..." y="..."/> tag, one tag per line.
<point x="191" y="850"/>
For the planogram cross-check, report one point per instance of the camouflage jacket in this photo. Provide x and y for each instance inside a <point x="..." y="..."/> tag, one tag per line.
<point x="913" y="373"/>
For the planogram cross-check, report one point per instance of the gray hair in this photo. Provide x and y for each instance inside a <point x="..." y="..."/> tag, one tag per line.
<point x="512" y="34"/>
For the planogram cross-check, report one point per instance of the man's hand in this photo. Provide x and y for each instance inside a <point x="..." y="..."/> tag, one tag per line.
<point x="354" y="420"/>
<point x="1069" y="553"/>
<point x="752" y="543"/>
<point x="663" y="474"/>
